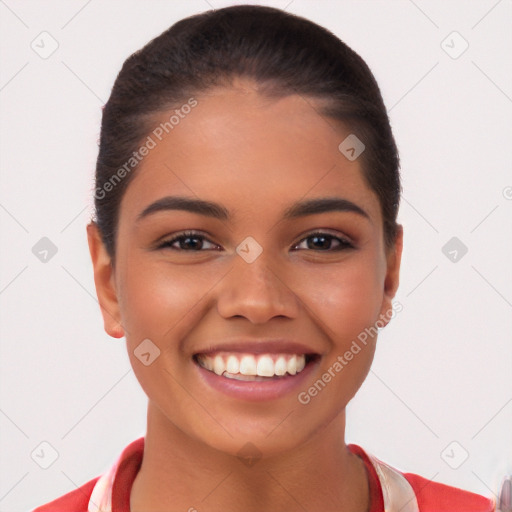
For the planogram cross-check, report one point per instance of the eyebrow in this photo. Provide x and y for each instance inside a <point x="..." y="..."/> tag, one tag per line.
<point x="322" y="205"/>
<point x="188" y="204"/>
<point x="217" y="211"/>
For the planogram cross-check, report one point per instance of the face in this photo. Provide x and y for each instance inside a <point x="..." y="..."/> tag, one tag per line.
<point x="252" y="302"/>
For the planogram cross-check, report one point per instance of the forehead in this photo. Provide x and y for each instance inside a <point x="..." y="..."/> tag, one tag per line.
<point x="239" y="146"/>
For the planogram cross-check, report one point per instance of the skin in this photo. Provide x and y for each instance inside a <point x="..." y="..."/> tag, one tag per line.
<point x="255" y="156"/>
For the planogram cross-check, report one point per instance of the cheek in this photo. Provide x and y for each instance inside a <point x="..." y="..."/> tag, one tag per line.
<point x="153" y="301"/>
<point x="346" y="304"/>
<point x="346" y="300"/>
<point x="158" y="304"/>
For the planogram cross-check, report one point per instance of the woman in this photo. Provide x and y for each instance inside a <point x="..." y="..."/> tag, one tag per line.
<point x="246" y="245"/>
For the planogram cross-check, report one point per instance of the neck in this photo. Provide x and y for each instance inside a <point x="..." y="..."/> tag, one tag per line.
<point x="179" y="473"/>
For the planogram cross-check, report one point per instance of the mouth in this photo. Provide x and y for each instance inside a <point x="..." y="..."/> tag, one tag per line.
<point x="256" y="370"/>
<point x="254" y="367"/>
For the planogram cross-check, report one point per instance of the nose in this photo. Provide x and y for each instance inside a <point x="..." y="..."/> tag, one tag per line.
<point x="257" y="291"/>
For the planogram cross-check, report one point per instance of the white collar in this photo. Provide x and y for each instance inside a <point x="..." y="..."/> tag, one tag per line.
<point x="397" y="492"/>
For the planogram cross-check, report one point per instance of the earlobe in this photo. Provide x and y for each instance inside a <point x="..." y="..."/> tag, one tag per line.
<point x="104" y="282"/>
<point x="392" y="279"/>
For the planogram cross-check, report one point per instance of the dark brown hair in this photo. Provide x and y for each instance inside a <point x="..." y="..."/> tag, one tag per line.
<point x="282" y="53"/>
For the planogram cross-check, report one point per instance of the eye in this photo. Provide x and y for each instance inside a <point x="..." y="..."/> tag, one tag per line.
<point x="192" y="241"/>
<point x="189" y="241"/>
<point x="320" y="241"/>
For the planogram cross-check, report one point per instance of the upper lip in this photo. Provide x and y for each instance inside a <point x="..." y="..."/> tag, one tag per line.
<point x="258" y="346"/>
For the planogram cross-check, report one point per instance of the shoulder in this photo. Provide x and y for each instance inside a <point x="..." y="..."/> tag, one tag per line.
<point x="74" y="501"/>
<point x="114" y="484"/>
<point x="397" y="486"/>
<point x="437" y="497"/>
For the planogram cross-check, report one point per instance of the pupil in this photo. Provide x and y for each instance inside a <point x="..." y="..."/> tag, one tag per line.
<point x="324" y="241"/>
<point x="192" y="245"/>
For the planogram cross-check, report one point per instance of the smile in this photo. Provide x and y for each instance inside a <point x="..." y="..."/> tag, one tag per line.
<point x="252" y="367"/>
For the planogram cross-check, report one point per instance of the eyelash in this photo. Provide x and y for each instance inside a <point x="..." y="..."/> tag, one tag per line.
<point x="344" y="243"/>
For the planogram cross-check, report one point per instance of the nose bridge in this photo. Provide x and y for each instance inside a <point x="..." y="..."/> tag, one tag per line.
<point x="255" y="288"/>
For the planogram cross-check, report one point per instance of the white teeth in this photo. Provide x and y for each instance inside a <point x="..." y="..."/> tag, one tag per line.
<point x="237" y="366"/>
<point x="218" y="365"/>
<point x="280" y="366"/>
<point x="233" y="365"/>
<point x="239" y="376"/>
<point x="265" y="367"/>
<point x="248" y="366"/>
<point x="292" y="365"/>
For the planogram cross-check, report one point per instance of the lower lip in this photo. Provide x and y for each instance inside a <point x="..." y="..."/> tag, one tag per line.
<point x="271" y="389"/>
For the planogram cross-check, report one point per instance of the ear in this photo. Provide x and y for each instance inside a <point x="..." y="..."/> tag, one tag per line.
<point x="392" y="279"/>
<point x="105" y="282"/>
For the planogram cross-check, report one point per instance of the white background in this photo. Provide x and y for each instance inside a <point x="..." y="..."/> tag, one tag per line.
<point x="442" y="371"/>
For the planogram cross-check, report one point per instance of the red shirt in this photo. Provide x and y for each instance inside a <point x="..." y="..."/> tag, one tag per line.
<point x="431" y="496"/>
